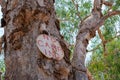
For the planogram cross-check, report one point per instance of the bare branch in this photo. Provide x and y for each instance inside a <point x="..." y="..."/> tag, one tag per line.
<point x="89" y="75"/>
<point x="1" y="42"/>
<point x="97" y="7"/>
<point x="107" y="3"/>
<point x="105" y="43"/>
<point x="102" y="38"/>
<point x="102" y="20"/>
<point x="94" y="48"/>
<point x="111" y="13"/>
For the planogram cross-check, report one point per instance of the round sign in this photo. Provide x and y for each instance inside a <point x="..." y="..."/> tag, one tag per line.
<point x="50" y="47"/>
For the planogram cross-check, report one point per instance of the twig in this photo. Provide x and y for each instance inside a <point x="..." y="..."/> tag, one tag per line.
<point x="103" y="40"/>
<point x="76" y="7"/>
<point x="102" y="20"/>
<point x="101" y="43"/>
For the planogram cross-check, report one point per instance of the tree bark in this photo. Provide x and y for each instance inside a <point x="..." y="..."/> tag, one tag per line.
<point x="87" y="31"/>
<point x="23" y="60"/>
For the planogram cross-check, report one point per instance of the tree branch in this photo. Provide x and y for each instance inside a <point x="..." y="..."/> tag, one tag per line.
<point x="94" y="48"/>
<point x="102" y="20"/>
<point x="97" y="5"/>
<point x="1" y="42"/>
<point x="102" y="38"/>
<point x="101" y="43"/>
<point x="110" y="14"/>
<point x="107" y="3"/>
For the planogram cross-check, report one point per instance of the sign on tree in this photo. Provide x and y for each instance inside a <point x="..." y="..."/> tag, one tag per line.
<point x="50" y="47"/>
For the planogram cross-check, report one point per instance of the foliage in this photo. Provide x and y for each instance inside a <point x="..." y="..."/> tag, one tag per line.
<point x="102" y="67"/>
<point x="106" y="67"/>
<point x="2" y="68"/>
<point x="70" y="16"/>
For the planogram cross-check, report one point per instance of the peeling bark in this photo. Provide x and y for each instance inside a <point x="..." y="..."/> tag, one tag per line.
<point x="23" y="59"/>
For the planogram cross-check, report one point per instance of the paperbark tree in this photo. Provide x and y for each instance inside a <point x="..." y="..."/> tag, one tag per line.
<point x="23" y="20"/>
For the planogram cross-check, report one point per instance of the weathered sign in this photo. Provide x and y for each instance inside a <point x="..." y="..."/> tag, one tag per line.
<point x="50" y="47"/>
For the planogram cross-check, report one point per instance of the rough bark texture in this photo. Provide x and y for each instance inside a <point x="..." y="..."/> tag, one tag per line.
<point x="23" y="22"/>
<point x="23" y="59"/>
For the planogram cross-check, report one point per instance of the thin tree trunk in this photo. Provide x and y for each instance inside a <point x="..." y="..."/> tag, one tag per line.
<point x="87" y="31"/>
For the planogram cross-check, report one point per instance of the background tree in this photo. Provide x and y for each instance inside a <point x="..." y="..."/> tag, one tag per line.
<point x="23" y="21"/>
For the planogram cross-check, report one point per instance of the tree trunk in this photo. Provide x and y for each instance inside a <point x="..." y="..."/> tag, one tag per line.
<point x="24" y="61"/>
<point x="23" y="20"/>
